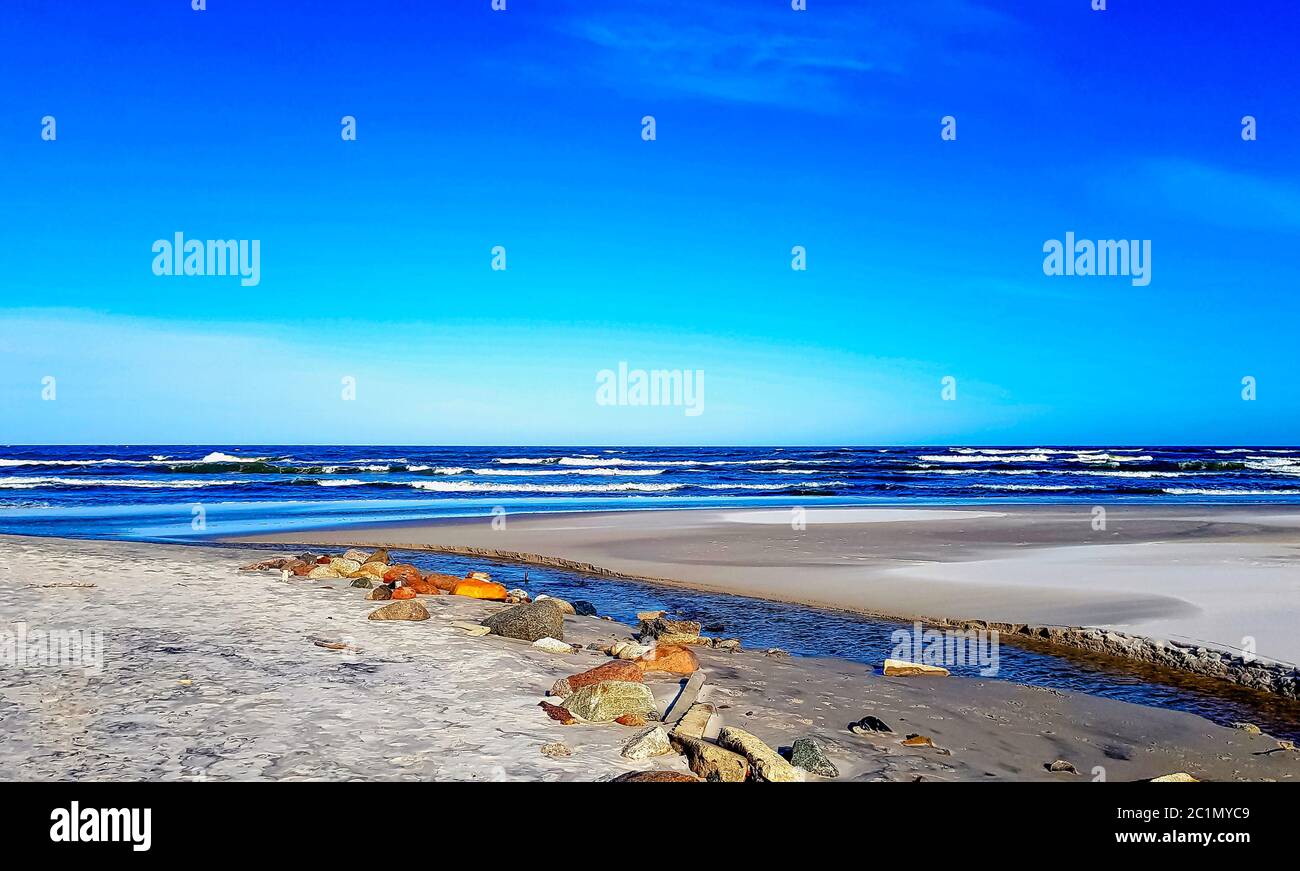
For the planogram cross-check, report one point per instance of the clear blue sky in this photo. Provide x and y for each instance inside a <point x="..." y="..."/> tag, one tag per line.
<point x="775" y="128"/>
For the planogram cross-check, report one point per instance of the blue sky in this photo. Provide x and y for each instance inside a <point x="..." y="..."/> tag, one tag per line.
<point x="775" y="128"/>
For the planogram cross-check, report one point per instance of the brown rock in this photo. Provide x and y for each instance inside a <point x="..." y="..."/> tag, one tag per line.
<point x="400" y="611"/>
<point x="446" y="583"/>
<point x="380" y="594"/>
<point x="669" y="658"/>
<point x="421" y="586"/>
<point x="380" y="555"/>
<point x="655" y="777"/>
<point x="560" y="715"/>
<point x="404" y="572"/>
<point x="712" y="762"/>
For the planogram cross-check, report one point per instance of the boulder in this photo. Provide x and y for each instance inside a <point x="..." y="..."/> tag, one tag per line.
<point x="731" y="645"/>
<point x="446" y="583"/>
<point x="635" y="720"/>
<point x="527" y="622"/>
<point x="380" y="594"/>
<point x="670" y="631"/>
<point x="767" y="764"/>
<point x="810" y="755"/>
<point x="656" y="777"/>
<point x="648" y="744"/>
<point x="478" y="576"/>
<point x="616" y="670"/>
<point x="421" y="586"/>
<point x="643" y="616"/>
<point x="379" y="555"/>
<point x="608" y="700"/>
<point x="363" y="583"/>
<point x="628" y="650"/>
<point x="670" y="659"/>
<point x="519" y="596"/>
<point x="303" y="569"/>
<point x="404" y="572"/>
<point x="903" y="668"/>
<point x="869" y="724"/>
<point x="411" y="610"/>
<point x="344" y="567"/>
<point x="403" y="593"/>
<point x="356" y="555"/>
<point x="713" y="763"/>
<point x="1176" y="777"/>
<point x="694" y="723"/>
<point x="278" y="563"/>
<point x="476" y="589"/>
<point x="374" y="571"/>
<point x="1062" y="766"/>
<point x="321" y="572"/>
<point x="565" y="607"/>
<point x="552" y="645"/>
<point x="583" y="608"/>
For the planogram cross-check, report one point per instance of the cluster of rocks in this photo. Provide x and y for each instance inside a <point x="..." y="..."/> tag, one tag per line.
<point x="654" y="626"/>
<point x="1266" y="676"/>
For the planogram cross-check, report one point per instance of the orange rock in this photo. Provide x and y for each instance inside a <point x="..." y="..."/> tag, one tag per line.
<point x="404" y="572"/>
<point x="476" y="589"/>
<point x="421" y="586"/>
<point x="670" y="658"/>
<point x="631" y="720"/>
<point x="403" y="593"/>
<point x="303" y="569"/>
<point x="443" y="582"/>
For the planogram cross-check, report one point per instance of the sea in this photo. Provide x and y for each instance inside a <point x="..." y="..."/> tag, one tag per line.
<point x="156" y="492"/>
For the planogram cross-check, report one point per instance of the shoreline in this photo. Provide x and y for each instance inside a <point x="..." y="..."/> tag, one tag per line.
<point x="213" y="673"/>
<point x="1195" y="657"/>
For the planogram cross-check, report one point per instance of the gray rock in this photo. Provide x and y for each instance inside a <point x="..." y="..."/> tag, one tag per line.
<point x="653" y="742"/>
<point x="363" y="583"/>
<point x="528" y="622"/>
<point x="583" y="608"/>
<point x="808" y="754"/>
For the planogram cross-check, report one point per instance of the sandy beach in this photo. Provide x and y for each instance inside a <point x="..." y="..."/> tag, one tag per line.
<point x="212" y="673"/>
<point x="1208" y="575"/>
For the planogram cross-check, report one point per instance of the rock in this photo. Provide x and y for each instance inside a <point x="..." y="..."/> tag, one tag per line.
<point x="1062" y="766"/>
<point x="608" y="700"/>
<point x="403" y="593"/>
<point x="869" y="724"/>
<point x="648" y="744"/>
<point x="478" y="576"/>
<point x="628" y="650"/>
<point x="646" y="616"/>
<point x="380" y="594"/>
<point x="1248" y="728"/>
<point x="521" y="595"/>
<point x="686" y="697"/>
<point x="404" y="572"/>
<point x="552" y="645"/>
<point x="374" y="571"/>
<point x="278" y="563"/>
<point x="303" y="569"/>
<point x="924" y="741"/>
<point x="670" y="631"/>
<point x="476" y="630"/>
<point x="379" y="555"/>
<point x="656" y="777"/>
<point x="695" y="722"/>
<point x="400" y="611"/>
<point x="446" y="583"/>
<point x="565" y="607"/>
<point x="560" y="715"/>
<point x="1176" y="777"/>
<point x="476" y="589"/>
<point x="631" y="720"/>
<point x="767" y="764"/>
<point x="731" y="645"/>
<point x="669" y="659"/>
<point x="321" y="572"/>
<point x="714" y="763"/>
<point x="527" y="622"/>
<point x="810" y="755"/>
<point x="357" y="555"/>
<point x="776" y="651"/>
<point x="421" y="586"/>
<point x="615" y="670"/>
<point x="344" y="567"/>
<point x="583" y="608"/>
<point x="902" y="668"/>
<point x="556" y="750"/>
<point x="323" y="560"/>
<point x="363" y="583"/>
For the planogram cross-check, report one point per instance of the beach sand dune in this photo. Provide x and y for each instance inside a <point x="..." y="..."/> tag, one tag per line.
<point x="212" y="673"/>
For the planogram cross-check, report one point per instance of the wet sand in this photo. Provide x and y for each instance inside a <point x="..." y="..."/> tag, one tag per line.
<point x="213" y="673"/>
<point x="1219" y="576"/>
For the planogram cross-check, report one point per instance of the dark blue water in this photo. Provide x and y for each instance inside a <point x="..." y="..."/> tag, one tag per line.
<point x="152" y="491"/>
